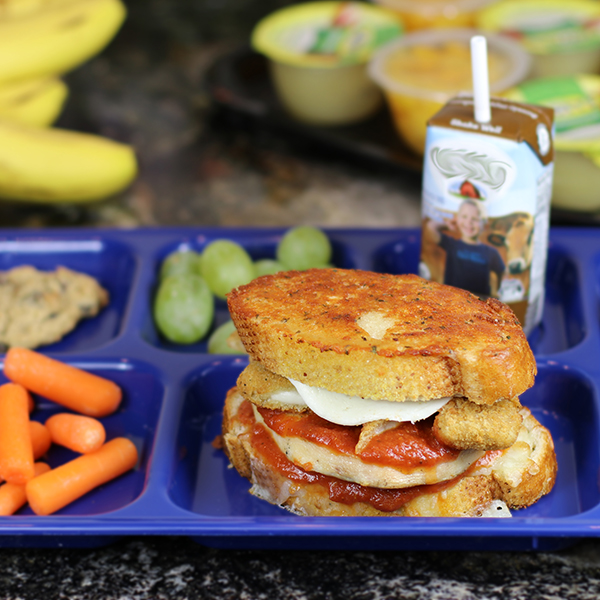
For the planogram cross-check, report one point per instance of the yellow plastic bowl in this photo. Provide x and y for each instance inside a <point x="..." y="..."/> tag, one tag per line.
<point x="421" y="71"/>
<point x="561" y="36"/>
<point x="576" y="103"/>
<point x="329" y="85"/>
<point x="433" y="14"/>
<point x="316" y="96"/>
<point x="576" y="181"/>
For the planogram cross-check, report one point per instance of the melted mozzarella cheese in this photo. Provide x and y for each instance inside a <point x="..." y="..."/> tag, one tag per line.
<point x="375" y="324"/>
<point x="353" y="410"/>
<point x="496" y="509"/>
<point x="288" y="399"/>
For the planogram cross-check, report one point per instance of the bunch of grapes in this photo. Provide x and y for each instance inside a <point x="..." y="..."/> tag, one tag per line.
<point x="189" y="281"/>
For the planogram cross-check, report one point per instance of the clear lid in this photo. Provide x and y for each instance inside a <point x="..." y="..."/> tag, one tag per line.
<point x="325" y="34"/>
<point x="546" y="26"/>
<point x="576" y="104"/>
<point x="519" y="62"/>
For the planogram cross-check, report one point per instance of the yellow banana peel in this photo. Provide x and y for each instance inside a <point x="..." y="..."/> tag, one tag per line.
<point x="33" y="101"/>
<point x="57" y="37"/>
<point x="52" y="165"/>
<point x="13" y="8"/>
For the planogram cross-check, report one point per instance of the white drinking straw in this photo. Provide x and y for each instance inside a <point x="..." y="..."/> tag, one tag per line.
<point x="481" y="82"/>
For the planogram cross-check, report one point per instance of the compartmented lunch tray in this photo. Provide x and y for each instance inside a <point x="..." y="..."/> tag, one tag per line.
<point x="173" y="398"/>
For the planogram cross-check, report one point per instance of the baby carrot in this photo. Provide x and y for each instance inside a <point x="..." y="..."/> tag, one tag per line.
<point x="76" y="432"/>
<point x="13" y="496"/>
<point x="40" y="439"/>
<point x="16" y="451"/>
<point x="54" y="490"/>
<point x="68" y="386"/>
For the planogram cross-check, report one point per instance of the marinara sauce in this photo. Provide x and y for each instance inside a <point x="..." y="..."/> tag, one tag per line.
<point x="344" y="492"/>
<point x="409" y="445"/>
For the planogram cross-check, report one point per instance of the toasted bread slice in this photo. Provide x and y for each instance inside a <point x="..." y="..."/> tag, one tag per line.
<point x="516" y="477"/>
<point x="385" y="337"/>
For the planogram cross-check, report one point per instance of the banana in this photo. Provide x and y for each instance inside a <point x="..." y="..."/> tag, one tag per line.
<point x="12" y="8"/>
<point x="56" y="38"/>
<point x="33" y="101"/>
<point x="56" y="165"/>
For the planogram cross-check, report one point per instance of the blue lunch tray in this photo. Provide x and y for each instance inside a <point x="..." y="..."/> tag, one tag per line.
<point x="173" y="398"/>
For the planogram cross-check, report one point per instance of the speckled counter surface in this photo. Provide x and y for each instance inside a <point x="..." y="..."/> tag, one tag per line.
<point x="206" y="168"/>
<point x="178" y="568"/>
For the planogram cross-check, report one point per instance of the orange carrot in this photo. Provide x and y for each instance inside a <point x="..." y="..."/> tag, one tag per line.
<point x="76" y="432"/>
<point x="31" y="404"/>
<point x="40" y="439"/>
<point x="68" y="386"/>
<point x="16" y="451"/>
<point x="13" y="496"/>
<point x="53" y="490"/>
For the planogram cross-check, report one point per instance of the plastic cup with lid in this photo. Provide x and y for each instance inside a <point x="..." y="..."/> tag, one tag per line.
<point x="421" y="71"/>
<point x="428" y="14"/>
<point x="576" y="103"/>
<point x="318" y="54"/>
<point x="562" y="37"/>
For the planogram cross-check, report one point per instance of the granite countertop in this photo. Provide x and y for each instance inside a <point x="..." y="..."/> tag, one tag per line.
<point x="201" y="166"/>
<point x="157" y="568"/>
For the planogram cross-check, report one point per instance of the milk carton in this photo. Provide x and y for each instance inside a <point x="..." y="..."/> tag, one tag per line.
<point x="487" y="188"/>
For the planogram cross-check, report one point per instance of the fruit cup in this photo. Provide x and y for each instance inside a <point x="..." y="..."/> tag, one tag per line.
<point x="576" y="103"/>
<point x="562" y="37"/>
<point x="429" y="14"/>
<point x="421" y="71"/>
<point x="318" y="54"/>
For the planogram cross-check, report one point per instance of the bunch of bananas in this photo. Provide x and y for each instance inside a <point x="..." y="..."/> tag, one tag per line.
<point x="40" y="40"/>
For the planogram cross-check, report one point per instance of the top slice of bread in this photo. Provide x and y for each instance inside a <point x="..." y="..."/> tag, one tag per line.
<point x="384" y="337"/>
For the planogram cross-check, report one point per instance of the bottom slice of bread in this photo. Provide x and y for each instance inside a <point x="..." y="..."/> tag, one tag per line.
<point x="512" y="478"/>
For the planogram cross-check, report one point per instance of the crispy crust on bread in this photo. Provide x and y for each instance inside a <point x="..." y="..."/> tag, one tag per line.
<point x="518" y="477"/>
<point x="464" y="425"/>
<point x="425" y="340"/>
<point x="527" y="470"/>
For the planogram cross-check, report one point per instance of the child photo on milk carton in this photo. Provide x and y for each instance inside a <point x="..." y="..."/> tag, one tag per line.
<point x="486" y="197"/>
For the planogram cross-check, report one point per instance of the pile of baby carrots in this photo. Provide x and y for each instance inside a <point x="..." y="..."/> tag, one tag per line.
<point x="23" y="441"/>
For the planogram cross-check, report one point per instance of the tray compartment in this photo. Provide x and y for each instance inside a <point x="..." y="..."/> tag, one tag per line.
<point x="565" y="401"/>
<point x="111" y="262"/>
<point x="399" y="256"/>
<point x="563" y="324"/>
<point x="562" y="400"/>
<point x="136" y="419"/>
<point x="201" y="481"/>
<point x="257" y="246"/>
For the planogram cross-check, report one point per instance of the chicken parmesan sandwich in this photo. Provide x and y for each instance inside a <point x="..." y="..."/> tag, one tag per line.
<point x="376" y="394"/>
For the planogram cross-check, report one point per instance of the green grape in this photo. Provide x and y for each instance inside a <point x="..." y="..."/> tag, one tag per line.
<point x="181" y="261"/>
<point x="218" y="341"/>
<point x="304" y="247"/>
<point x="184" y="308"/>
<point x="268" y="266"/>
<point x="226" y="265"/>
